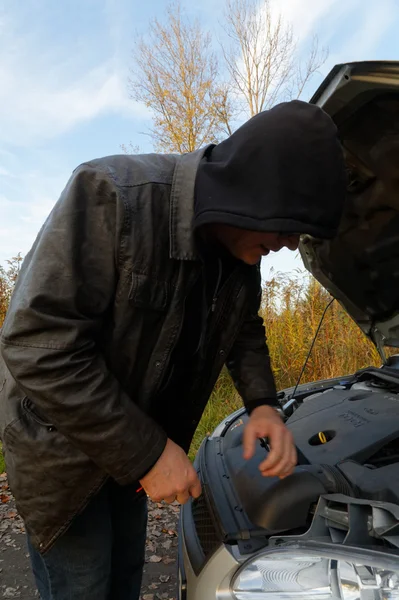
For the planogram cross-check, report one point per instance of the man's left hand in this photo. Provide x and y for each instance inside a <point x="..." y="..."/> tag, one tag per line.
<point x="266" y="422"/>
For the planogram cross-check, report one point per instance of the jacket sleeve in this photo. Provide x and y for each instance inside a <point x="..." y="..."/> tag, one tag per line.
<point x="63" y="293"/>
<point x="249" y="361"/>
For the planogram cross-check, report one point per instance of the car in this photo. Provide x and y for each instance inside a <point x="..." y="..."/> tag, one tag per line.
<point x="331" y="529"/>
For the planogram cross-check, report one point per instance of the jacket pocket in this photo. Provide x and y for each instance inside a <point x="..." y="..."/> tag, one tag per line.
<point x="29" y="408"/>
<point x="147" y="292"/>
<point x="50" y="478"/>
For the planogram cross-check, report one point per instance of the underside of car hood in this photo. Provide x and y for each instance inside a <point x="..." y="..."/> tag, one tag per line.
<point x="360" y="266"/>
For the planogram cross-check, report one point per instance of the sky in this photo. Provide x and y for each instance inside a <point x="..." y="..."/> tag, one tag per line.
<point x="64" y="97"/>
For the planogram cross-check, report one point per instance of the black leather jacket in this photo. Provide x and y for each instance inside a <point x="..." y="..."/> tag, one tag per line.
<point x="95" y="315"/>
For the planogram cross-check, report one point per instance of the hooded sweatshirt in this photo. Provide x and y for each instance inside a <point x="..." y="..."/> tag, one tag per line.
<point x="282" y="171"/>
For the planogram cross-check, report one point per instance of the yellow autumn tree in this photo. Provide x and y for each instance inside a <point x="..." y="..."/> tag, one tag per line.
<point x="175" y="74"/>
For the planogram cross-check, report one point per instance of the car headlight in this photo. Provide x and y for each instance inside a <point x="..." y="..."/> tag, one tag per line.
<point x="325" y="574"/>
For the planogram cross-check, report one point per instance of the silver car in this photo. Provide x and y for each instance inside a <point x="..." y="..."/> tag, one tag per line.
<point x="330" y="530"/>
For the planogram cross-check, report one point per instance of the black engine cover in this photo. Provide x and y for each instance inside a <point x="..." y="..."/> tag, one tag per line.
<point x="356" y="423"/>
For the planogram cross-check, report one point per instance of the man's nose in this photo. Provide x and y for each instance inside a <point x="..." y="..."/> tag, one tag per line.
<point x="291" y="242"/>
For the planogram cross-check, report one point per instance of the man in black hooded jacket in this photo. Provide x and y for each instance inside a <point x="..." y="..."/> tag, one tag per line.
<point x="143" y="282"/>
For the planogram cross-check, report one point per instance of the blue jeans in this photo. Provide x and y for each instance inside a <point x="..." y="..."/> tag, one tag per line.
<point x="101" y="555"/>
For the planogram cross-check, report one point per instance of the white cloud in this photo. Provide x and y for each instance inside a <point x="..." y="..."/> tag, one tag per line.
<point x="6" y="154"/>
<point x="20" y="223"/>
<point x="24" y="211"/>
<point x="304" y="16"/>
<point x="354" y="27"/>
<point x="45" y="111"/>
<point x="44" y="93"/>
<point x="49" y="84"/>
<point x="12" y="232"/>
<point x="371" y="27"/>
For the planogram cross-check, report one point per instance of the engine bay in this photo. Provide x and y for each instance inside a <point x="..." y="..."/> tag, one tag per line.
<point x="347" y="438"/>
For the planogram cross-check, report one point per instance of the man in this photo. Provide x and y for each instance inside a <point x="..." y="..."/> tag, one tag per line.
<point x="143" y="282"/>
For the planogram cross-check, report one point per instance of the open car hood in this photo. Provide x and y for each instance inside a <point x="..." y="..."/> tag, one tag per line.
<point x="360" y="266"/>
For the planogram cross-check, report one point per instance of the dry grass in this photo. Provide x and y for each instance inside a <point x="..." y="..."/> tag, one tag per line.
<point x="292" y="309"/>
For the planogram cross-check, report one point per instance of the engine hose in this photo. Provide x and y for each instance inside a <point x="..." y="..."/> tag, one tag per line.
<point x="332" y="479"/>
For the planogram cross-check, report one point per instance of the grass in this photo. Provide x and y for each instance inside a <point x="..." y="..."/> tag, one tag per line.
<point x="292" y="307"/>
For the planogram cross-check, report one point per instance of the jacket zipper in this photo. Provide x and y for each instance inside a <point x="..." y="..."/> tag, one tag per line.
<point x="216" y="291"/>
<point x="205" y="311"/>
<point x="227" y="349"/>
<point x="216" y="298"/>
<point x="233" y="295"/>
<point x="162" y="385"/>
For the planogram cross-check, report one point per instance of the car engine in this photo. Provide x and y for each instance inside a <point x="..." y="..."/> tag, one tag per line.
<point x="345" y="487"/>
<point x="347" y="442"/>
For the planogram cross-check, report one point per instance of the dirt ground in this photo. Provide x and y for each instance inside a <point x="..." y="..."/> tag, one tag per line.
<point x="160" y="573"/>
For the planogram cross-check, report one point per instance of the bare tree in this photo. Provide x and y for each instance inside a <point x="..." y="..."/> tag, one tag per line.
<point x="176" y="76"/>
<point x="131" y="148"/>
<point x="262" y="56"/>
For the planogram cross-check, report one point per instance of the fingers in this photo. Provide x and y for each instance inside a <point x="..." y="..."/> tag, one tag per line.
<point x="249" y="440"/>
<point x="183" y="498"/>
<point x="282" y="458"/>
<point x="195" y="490"/>
<point x="277" y="448"/>
<point x="183" y="495"/>
<point x="170" y="499"/>
<point x="172" y="478"/>
<point x="192" y="491"/>
<point x="292" y="464"/>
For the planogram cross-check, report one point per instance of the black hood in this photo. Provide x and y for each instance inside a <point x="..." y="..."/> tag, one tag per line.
<point x="360" y="266"/>
<point x="282" y="171"/>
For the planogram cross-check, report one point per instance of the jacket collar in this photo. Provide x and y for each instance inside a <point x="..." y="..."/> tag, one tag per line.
<point x="182" y="244"/>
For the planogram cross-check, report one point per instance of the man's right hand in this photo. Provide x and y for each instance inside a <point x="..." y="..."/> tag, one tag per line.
<point x="173" y="477"/>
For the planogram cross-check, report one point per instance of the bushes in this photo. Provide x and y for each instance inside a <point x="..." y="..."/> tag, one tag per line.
<point x="8" y="277"/>
<point x="292" y="308"/>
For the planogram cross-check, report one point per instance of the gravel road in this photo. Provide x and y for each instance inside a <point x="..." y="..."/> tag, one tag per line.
<point x="159" y="581"/>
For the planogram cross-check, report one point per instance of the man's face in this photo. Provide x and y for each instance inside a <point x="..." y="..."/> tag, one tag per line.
<point x="250" y="246"/>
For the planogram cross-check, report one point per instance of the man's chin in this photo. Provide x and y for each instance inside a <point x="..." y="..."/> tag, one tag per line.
<point x="251" y="261"/>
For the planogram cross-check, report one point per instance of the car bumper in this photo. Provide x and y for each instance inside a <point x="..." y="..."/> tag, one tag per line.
<point x="202" y="577"/>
